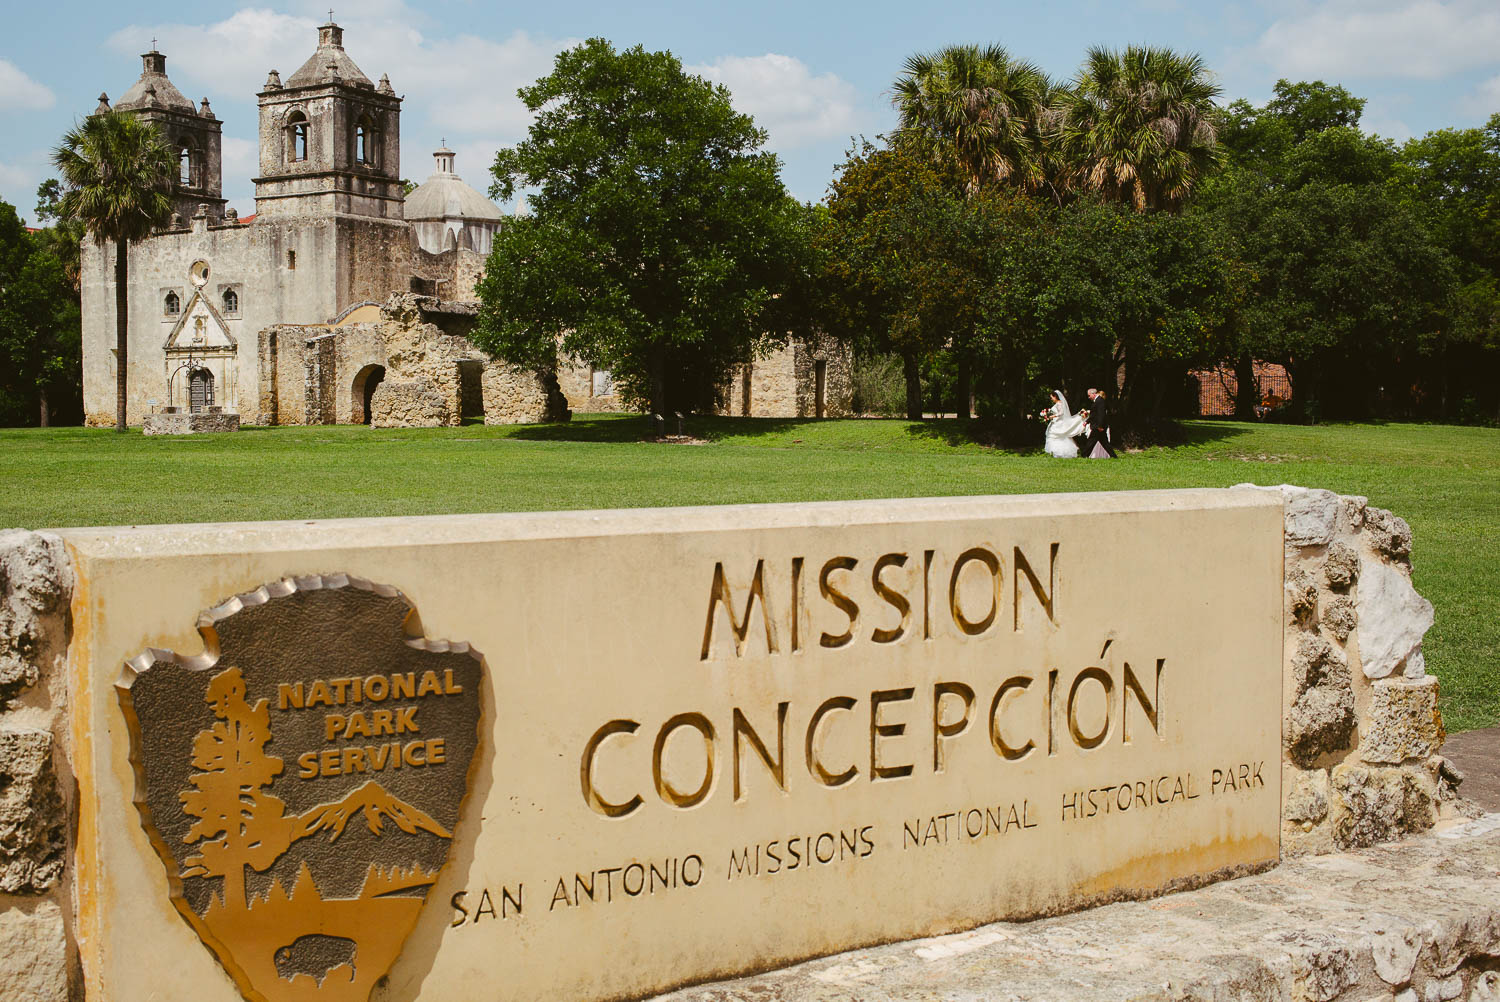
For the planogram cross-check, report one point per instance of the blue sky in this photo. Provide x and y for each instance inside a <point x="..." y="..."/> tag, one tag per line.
<point x="812" y="73"/>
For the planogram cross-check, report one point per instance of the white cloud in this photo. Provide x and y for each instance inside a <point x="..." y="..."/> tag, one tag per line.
<point x="18" y="92"/>
<point x="463" y="84"/>
<point x="230" y="57"/>
<point x="1485" y="99"/>
<point x="786" y="99"/>
<point x="13" y="177"/>
<point x="1425" y="39"/>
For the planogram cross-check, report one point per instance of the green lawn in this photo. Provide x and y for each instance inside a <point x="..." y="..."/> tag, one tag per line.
<point x="1443" y="480"/>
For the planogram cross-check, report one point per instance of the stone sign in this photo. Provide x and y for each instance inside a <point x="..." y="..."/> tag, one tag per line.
<point x="715" y="740"/>
<point x="302" y="778"/>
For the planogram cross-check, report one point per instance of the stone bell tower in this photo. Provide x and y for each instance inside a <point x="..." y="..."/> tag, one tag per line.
<point x="193" y="133"/>
<point x="330" y="140"/>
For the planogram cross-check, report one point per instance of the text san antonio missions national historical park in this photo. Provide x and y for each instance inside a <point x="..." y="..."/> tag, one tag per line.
<point x="1017" y="718"/>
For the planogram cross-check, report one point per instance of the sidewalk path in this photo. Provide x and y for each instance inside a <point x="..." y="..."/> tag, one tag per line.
<point x="1477" y="755"/>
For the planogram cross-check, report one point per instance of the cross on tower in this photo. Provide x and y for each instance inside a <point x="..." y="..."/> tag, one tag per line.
<point x="330" y="15"/>
<point x="153" y="43"/>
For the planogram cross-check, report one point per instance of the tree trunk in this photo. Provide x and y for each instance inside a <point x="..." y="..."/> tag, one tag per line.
<point x="657" y="361"/>
<point x="122" y="350"/>
<point x="965" y="404"/>
<point x="44" y="414"/>
<point x="913" y="374"/>
<point x="1246" y="393"/>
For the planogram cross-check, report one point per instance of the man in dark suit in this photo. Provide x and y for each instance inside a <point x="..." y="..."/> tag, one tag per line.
<point x="1098" y="418"/>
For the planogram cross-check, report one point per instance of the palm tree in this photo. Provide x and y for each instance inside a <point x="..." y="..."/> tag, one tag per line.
<point x="981" y="107"/>
<point x="117" y="171"/>
<point x="1137" y="125"/>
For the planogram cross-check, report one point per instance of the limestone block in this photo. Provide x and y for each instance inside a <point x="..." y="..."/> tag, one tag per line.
<point x="1308" y="801"/>
<point x="517" y="395"/>
<point x="1402" y="722"/>
<point x="1389" y="534"/>
<point x="35" y="583"/>
<point x="1486" y="988"/>
<point x="1302" y="597"/>
<point x="31" y="813"/>
<point x="1394" y="947"/>
<point x="1393" y="618"/>
<point x="1445" y="989"/>
<point x="1323" y="966"/>
<point x="33" y="953"/>
<point x="408" y="404"/>
<point x="1312" y="516"/>
<point x="1354" y="507"/>
<point x="1340" y="618"/>
<point x="1342" y="566"/>
<point x="1321" y="720"/>
<point x="1371" y="804"/>
<point x="188" y="423"/>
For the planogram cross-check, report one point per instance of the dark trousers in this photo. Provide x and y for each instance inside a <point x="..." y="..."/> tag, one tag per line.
<point x="1099" y="436"/>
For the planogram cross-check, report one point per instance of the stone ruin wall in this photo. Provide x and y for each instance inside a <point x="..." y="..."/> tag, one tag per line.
<point x="1362" y="733"/>
<point x="38" y="956"/>
<point x="434" y="375"/>
<point x="784" y="383"/>
<point x="576" y="380"/>
<point x="1361" y="727"/>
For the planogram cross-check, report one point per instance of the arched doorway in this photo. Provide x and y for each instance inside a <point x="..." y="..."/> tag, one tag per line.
<point x="200" y="390"/>
<point x="365" y="382"/>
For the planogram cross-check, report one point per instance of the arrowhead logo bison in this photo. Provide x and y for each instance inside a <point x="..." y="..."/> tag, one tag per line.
<point x="302" y="779"/>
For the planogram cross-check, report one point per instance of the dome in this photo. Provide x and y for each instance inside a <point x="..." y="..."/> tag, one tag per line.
<point x="153" y="89"/>
<point x="445" y="195"/>
<point x="330" y="64"/>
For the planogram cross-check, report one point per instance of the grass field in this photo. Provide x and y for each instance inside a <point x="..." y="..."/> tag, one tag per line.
<point x="1445" y="481"/>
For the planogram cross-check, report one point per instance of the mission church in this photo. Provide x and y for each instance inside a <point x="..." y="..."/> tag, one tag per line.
<point x="341" y="300"/>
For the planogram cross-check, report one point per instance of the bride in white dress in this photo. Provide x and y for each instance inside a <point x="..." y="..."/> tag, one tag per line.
<point x="1062" y="426"/>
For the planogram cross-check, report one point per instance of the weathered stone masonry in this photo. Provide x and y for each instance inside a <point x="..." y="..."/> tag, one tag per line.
<point x="38" y="961"/>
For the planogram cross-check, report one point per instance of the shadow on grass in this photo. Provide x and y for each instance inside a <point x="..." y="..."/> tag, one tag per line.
<point x="639" y="428"/>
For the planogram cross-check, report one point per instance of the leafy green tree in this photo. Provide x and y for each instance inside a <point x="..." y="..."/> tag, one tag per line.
<point x="1091" y="288"/>
<point x="1349" y="283"/>
<point x="983" y="108"/>
<point x="117" y="173"/>
<point x="660" y="236"/>
<point x="905" y="257"/>
<point x="1453" y="177"/>
<point x="1138" y="125"/>
<point x="1309" y="108"/>
<point x="39" y="326"/>
<point x="59" y="236"/>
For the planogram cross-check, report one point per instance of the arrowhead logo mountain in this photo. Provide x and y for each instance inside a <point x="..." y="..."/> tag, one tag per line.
<point x="302" y="779"/>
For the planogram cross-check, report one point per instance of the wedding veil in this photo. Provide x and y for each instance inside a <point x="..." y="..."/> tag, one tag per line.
<point x="1063" y="402"/>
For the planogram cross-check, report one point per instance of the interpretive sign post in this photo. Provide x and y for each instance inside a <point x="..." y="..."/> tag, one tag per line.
<point x="708" y="740"/>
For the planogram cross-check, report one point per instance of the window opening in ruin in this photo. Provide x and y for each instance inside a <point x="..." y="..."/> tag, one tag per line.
<point x="231" y="301"/>
<point x="603" y="383"/>
<point x="364" y="144"/>
<point x="185" y="166"/>
<point x="291" y="260"/>
<point x="200" y="390"/>
<point x="298" y="136"/>
<point x="172" y="305"/>
<point x="820" y="384"/>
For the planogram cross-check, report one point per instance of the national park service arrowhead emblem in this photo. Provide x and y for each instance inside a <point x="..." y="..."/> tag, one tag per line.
<point x="302" y="779"/>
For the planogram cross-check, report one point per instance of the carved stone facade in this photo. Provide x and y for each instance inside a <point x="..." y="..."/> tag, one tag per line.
<point x="328" y="234"/>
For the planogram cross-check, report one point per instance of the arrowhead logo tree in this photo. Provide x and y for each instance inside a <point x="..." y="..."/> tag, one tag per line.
<point x="302" y="779"/>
